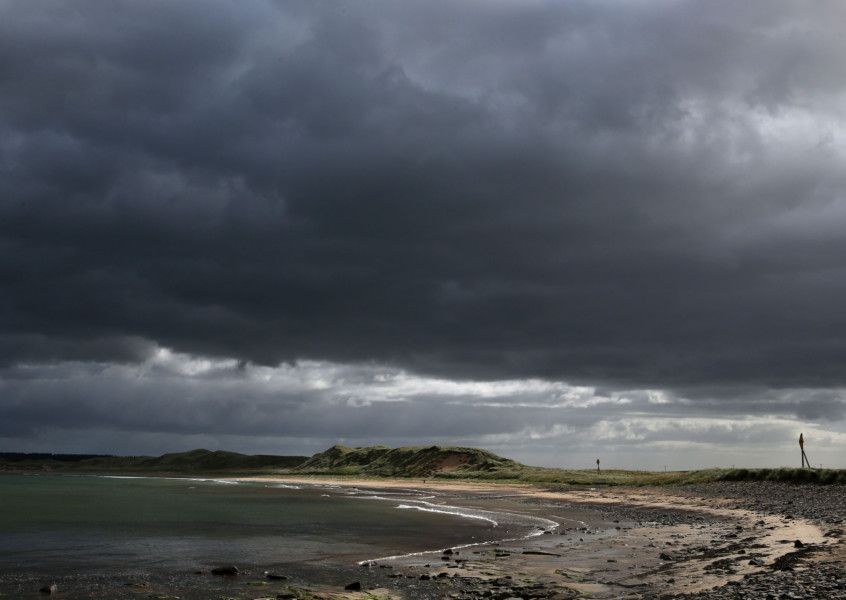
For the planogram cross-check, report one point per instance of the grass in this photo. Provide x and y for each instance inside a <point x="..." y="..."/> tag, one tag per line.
<point x="819" y="476"/>
<point x="433" y="462"/>
<point x="410" y="461"/>
<point x="536" y="475"/>
<point x="195" y="462"/>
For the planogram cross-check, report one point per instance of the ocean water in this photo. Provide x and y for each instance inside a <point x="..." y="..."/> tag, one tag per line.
<point x="66" y="524"/>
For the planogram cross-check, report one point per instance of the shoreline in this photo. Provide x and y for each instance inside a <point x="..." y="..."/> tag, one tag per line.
<point x="709" y="541"/>
<point x="771" y="535"/>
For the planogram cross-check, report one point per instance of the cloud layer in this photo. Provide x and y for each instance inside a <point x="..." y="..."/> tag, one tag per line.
<point x="173" y="401"/>
<point x="646" y="196"/>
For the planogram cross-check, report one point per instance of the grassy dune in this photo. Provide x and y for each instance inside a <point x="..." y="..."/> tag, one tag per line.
<point x="539" y="475"/>
<point x="473" y="464"/>
<point x="407" y="461"/>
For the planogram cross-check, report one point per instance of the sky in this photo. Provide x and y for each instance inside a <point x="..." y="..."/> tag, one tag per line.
<point x="558" y="230"/>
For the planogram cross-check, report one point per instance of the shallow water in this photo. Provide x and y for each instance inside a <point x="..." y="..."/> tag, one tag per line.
<point x="65" y="524"/>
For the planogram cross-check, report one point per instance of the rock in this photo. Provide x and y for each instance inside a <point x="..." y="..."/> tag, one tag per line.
<point x="49" y="589"/>
<point x="275" y="576"/>
<point x="798" y="544"/>
<point x="229" y="571"/>
<point x="448" y="552"/>
<point x="353" y="587"/>
<point x="425" y="577"/>
<point x="287" y="595"/>
<point x="757" y="562"/>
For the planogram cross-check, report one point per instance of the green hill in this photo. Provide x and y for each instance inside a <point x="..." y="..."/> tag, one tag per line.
<point x="194" y="461"/>
<point x="219" y="460"/>
<point x="406" y="462"/>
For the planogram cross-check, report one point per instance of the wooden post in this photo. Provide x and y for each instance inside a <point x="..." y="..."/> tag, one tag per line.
<point x="802" y="449"/>
<point x="805" y="461"/>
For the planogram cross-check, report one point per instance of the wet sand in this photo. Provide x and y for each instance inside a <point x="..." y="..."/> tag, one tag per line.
<point x="609" y="543"/>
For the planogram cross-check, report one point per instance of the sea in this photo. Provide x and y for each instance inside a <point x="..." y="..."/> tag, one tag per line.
<point x="103" y="529"/>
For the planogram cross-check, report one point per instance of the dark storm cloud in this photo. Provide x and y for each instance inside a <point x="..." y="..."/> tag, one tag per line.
<point x="640" y="194"/>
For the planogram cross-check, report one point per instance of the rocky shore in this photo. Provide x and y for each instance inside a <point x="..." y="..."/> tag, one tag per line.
<point x="730" y="539"/>
<point x="823" y="503"/>
<point x="811" y="571"/>
<point x="734" y="555"/>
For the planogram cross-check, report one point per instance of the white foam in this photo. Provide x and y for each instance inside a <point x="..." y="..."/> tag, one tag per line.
<point x="541" y="526"/>
<point x="220" y="481"/>
<point x="449" y="510"/>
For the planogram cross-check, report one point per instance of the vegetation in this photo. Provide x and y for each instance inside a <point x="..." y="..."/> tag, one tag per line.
<point x="472" y="464"/>
<point x="821" y="476"/>
<point x="553" y="477"/>
<point x="195" y="461"/>
<point x="407" y="462"/>
<point x="437" y="462"/>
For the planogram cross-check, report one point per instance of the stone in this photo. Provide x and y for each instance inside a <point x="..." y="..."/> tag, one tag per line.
<point x="49" y="589"/>
<point x="353" y="587"/>
<point x="228" y="571"/>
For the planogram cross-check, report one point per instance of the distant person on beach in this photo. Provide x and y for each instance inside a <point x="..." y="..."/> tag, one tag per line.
<point x="597" y="465"/>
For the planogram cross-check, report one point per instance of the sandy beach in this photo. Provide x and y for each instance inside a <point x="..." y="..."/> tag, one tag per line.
<point x="622" y="542"/>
